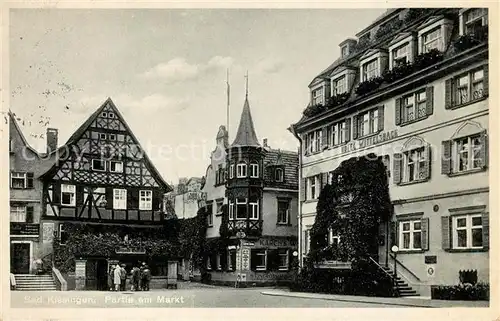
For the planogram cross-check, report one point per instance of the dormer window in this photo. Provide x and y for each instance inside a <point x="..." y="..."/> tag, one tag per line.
<point x="278" y="175"/>
<point x="432" y="40"/>
<point x="400" y="55"/>
<point x="472" y="20"/>
<point x="370" y="70"/>
<point x="317" y="96"/>
<point x="344" y="51"/>
<point x="339" y="85"/>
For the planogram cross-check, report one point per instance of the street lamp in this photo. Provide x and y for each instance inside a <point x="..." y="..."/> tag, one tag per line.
<point x="395" y="250"/>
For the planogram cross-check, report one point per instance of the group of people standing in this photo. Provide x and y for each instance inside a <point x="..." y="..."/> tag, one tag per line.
<point x="140" y="277"/>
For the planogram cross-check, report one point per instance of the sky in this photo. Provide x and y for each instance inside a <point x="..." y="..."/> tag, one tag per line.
<point x="166" y="70"/>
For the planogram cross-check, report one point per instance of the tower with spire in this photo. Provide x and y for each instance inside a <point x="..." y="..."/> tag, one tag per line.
<point x="245" y="183"/>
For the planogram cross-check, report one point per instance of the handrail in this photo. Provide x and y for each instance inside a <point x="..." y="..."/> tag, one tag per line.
<point x="404" y="267"/>
<point x="393" y="279"/>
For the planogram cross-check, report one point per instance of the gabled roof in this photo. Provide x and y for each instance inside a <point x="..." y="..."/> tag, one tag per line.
<point x="85" y="126"/>
<point x="400" y="36"/>
<point x="245" y="136"/>
<point x="370" y="52"/>
<point x="289" y="160"/>
<point x="18" y="129"/>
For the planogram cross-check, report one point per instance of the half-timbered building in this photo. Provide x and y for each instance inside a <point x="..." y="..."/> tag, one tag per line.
<point x="103" y="178"/>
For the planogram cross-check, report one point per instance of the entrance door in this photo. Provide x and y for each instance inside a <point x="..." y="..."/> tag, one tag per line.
<point x="20" y="258"/>
<point x="102" y="275"/>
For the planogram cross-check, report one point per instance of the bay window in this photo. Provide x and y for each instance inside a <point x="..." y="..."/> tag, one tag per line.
<point x="254" y="170"/>
<point x="231" y="210"/>
<point x="145" y="200"/>
<point x="231" y="171"/>
<point x="254" y="210"/>
<point x="241" y="170"/>
<point x="241" y="208"/>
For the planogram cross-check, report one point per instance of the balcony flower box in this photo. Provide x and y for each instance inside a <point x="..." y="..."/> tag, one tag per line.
<point x="427" y="59"/>
<point x="337" y="100"/>
<point x="368" y="86"/>
<point x="398" y="72"/>
<point x="472" y="39"/>
<point x="313" y="110"/>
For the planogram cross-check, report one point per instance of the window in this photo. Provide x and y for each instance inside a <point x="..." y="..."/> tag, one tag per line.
<point x="400" y="55"/>
<point x="112" y="137"/>
<point x="313" y="184"/>
<point x="254" y="210"/>
<point x="344" y="51"/>
<point x="317" y="96"/>
<point x="469" y="87"/>
<point x="145" y="200"/>
<point x="231" y="171"/>
<point x="336" y="133"/>
<point x="18" y="180"/>
<point x="339" y="86"/>
<point x="370" y="70"/>
<point x="254" y="170"/>
<point x="261" y="260"/>
<point x="210" y="215"/>
<point x="283" y="211"/>
<point x="415" y="165"/>
<point x="104" y="114"/>
<point x="231" y="210"/>
<point x="283" y="259"/>
<point x="467" y="231"/>
<point x="18" y="213"/>
<point x="116" y="167"/>
<point x="241" y="208"/>
<point x="218" y="207"/>
<point x="431" y="40"/>
<point x="98" y="165"/>
<point x="278" y="175"/>
<point x="241" y="170"/>
<point x="63" y="235"/>
<point x="474" y="19"/>
<point x="102" y="136"/>
<point x="414" y="106"/>
<point x="68" y="194"/>
<point x="468" y="153"/>
<point x="111" y="115"/>
<point x="119" y="199"/>
<point x="368" y="122"/>
<point x="410" y="235"/>
<point x="313" y="141"/>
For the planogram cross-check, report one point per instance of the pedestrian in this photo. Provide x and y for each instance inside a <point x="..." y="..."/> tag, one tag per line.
<point x="110" y="278"/>
<point x="135" y="278"/>
<point x="123" y="277"/>
<point x="141" y="273"/>
<point x="146" y="278"/>
<point x="117" y="277"/>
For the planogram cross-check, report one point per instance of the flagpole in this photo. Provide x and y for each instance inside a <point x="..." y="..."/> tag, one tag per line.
<point x="227" y="107"/>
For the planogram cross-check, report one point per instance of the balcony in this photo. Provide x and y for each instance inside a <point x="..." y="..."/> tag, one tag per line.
<point x="249" y="227"/>
<point x="24" y="229"/>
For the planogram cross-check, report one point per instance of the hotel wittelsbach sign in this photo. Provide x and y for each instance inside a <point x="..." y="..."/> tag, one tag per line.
<point x="368" y="141"/>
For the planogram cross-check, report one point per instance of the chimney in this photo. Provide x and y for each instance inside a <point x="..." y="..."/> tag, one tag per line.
<point x="51" y="140"/>
<point x="265" y="142"/>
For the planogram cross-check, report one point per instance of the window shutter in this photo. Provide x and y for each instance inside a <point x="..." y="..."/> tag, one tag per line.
<point x="430" y="100"/>
<point x="381" y="117"/>
<point x="486" y="230"/>
<point x="483" y="153"/>
<point x="79" y="195"/>
<point x="448" y="92"/>
<point x="354" y="127"/>
<point x="253" y="260"/>
<point x="397" y="160"/>
<point x="486" y="84"/>
<point x="348" y="129"/>
<point x="397" y="111"/>
<point x="29" y="214"/>
<point x="56" y="193"/>
<point x="303" y="189"/>
<point x="324" y="178"/>
<point x="446" y="159"/>
<point x="425" y="233"/>
<point x="156" y="200"/>
<point x="324" y="138"/>
<point x="428" y="162"/>
<point x="109" y="198"/>
<point x="29" y="180"/>
<point x="445" y="232"/>
<point x="394" y="233"/>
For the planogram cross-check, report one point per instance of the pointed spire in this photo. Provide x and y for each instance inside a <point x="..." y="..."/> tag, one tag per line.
<point x="246" y="87"/>
<point x="245" y="136"/>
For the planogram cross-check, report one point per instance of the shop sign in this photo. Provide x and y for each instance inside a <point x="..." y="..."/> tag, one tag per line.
<point x="368" y="141"/>
<point x="277" y="242"/>
<point x="248" y="244"/>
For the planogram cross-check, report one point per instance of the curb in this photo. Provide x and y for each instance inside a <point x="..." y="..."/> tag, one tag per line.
<point x="322" y="297"/>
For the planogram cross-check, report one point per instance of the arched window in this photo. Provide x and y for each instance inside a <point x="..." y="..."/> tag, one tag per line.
<point x="278" y="174"/>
